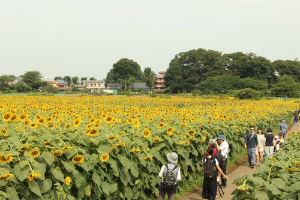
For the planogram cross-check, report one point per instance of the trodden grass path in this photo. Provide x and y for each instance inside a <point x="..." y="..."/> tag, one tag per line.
<point x="243" y="169"/>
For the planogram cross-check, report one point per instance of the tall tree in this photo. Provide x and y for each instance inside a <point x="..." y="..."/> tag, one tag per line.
<point x="83" y="78"/>
<point x="92" y="78"/>
<point x="148" y="77"/>
<point x="33" y="79"/>
<point x="286" y="86"/>
<point x="111" y="77"/>
<point x="67" y="79"/>
<point x="126" y="68"/>
<point x="75" y="79"/>
<point x="57" y="77"/>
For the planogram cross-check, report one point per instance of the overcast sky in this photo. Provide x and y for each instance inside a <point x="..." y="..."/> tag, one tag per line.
<point x="85" y="38"/>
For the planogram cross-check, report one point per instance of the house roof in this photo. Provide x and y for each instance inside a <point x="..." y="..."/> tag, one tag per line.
<point x="93" y="81"/>
<point x="114" y="85"/>
<point x="62" y="81"/>
<point x="61" y="84"/>
<point x="138" y="85"/>
<point x="50" y="82"/>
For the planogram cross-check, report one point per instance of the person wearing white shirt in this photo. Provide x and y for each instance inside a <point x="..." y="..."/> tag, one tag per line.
<point x="223" y="147"/>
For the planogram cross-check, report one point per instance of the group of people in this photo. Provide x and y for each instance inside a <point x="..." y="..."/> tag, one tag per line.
<point x="258" y="145"/>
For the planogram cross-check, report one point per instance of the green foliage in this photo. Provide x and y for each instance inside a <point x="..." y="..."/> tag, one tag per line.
<point x="247" y="93"/>
<point x="57" y="77"/>
<point x="92" y="78"/>
<point x="67" y="79"/>
<point x="286" y="86"/>
<point x="277" y="178"/>
<point x="75" y="79"/>
<point x="84" y="90"/>
<point x="50" y="88"/>
<point x="75" y="89"/>
<point x="33" y="79"/>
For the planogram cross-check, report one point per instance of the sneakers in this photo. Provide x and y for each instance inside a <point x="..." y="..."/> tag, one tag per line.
<point x="223" y="186"/>
<point x="252" y="166"/>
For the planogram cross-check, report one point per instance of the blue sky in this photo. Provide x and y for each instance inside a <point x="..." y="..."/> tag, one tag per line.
<point x="85" y="38"/>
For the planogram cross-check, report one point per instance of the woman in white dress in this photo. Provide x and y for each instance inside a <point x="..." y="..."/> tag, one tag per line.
<point x="261" y="144"/>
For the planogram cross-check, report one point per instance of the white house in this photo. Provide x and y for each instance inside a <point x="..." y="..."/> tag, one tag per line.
<point x="93" y="85"/>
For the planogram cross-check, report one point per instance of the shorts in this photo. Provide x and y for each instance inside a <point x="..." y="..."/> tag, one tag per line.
<point x="261" y="149"/>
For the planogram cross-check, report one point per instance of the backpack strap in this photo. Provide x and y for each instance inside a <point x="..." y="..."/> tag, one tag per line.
<point x="174" y="168"/>
<point x="167" y="167"/>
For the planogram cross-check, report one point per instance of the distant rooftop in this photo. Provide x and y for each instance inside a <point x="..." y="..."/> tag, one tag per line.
<point x="62" y="81"/>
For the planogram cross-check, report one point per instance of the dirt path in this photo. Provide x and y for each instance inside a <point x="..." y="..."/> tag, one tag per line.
<point x="243" y="169"/>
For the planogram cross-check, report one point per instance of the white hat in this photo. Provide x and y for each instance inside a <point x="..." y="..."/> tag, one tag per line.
<point x="172" y="157"/>
<point x="276" y="136"/>
<point x="283" y="121"/>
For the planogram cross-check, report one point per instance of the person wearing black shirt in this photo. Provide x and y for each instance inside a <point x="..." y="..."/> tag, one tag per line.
<point x="269" y="138"/>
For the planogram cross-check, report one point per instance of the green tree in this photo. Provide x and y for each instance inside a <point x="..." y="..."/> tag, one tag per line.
<point x="50" y="89"/>
<point x="92" y="78"/>
<point x="111" y="77"/>
<point x="288" y="67"/>
<point x="235" y="63"/>
<point x="4" y="79"/>
<point x="57" y="77"/>
<point x="83" y="78"/>
<point x="148" y="78"/>
<point x="75" y="89"/>
<point x="125" y="68"/>
<point x="22" y="88"/>
<point x="67" y="79"/>
<point x="33" y="79"/>
<point x="75" y="79"/>
<point x="286" y="86"/>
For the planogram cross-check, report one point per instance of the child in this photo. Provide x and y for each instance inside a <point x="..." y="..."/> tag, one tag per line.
<point x="171" y="167"/>
<point x="210" y="183"/>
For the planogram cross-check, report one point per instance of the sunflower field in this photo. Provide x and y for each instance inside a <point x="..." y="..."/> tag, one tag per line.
<point x="114" y="147"/>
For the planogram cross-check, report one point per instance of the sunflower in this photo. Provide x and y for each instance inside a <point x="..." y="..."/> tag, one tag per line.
<point x="104" y="157"/>
<point x="170" y="130"/>
<point x="97" y="125"/>
<point x="33" y="176"/>
<point x="3" y="132"/>
<point x="293" y="170"/>
<point x="57" y="153"/>
<point x="46" y="143"/>
<point x="41" y="120"/>
<point x="182" y="125"/>
<point x="122" y="132"/>
<point x="156" y="140"/>
<point x="148" y="158"/>
<point x="14" y="117"/>
<point x="49" y="125"/>
<point x="113" y="137"/>
<point x="93" y="132"/>
<point x="147" y="133"/>
<point x="34" y="153"/>
<point x="77" y="122"/>
<point x="200" y="126"/>
<point x="187" y="143"/>
<point x="108" y="119"/>
<point x="23" y="116"/>
<point x="25" y="148"/>
<point x="191" y="138"/>
<point x="192" y="132"/>
<point x="68" y="180"/>
<point x="66" y="148"/>
<point x="161" y="125"/>
<point x="6" y="176"/>
<point x="181" y="143"/>
<point x="78" y="159"/>
<point x="7" y="116"/>
<point x="136" y="123"/>
<point x="122" y="144"/>
<point x="33" y="125"/>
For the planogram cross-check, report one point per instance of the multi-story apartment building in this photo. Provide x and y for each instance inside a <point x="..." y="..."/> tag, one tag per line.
<point x="160" y="85"/>
<point x="93" y="85"/>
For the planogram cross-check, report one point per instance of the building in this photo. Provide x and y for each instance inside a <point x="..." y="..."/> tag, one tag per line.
<point x="136" y="86"/>
<point x="93" y="85"/>
<point x="80" y="87"/>
<point x="160" y="83"/>
<point x="60" y="84"/>
<point x="114" y="86"/>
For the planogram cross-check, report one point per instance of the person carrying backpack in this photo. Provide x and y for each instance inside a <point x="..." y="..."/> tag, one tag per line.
<point x="170" y="174"/>
<point x="282" y="129"/>
<point x="210" y="165"/>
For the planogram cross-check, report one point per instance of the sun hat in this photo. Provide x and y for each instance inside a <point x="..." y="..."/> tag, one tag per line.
<point x="276" y="136"/>
<point x="283" y="121"/>
<point x="172" y="157"/>
<point x="221" y="137"/>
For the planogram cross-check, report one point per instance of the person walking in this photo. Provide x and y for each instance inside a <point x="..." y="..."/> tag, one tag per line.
<point x="212" y="143"/>
<point x="224" y="149"/>
<point x="282" y="129"/>
<point x="296" y="118"/>
<point x="269" y="142"/>
<point x="211" y="165"/>
<point x="251" y="144"/>
<point x="261" y="144"/>
<point x="170" y="167"/>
